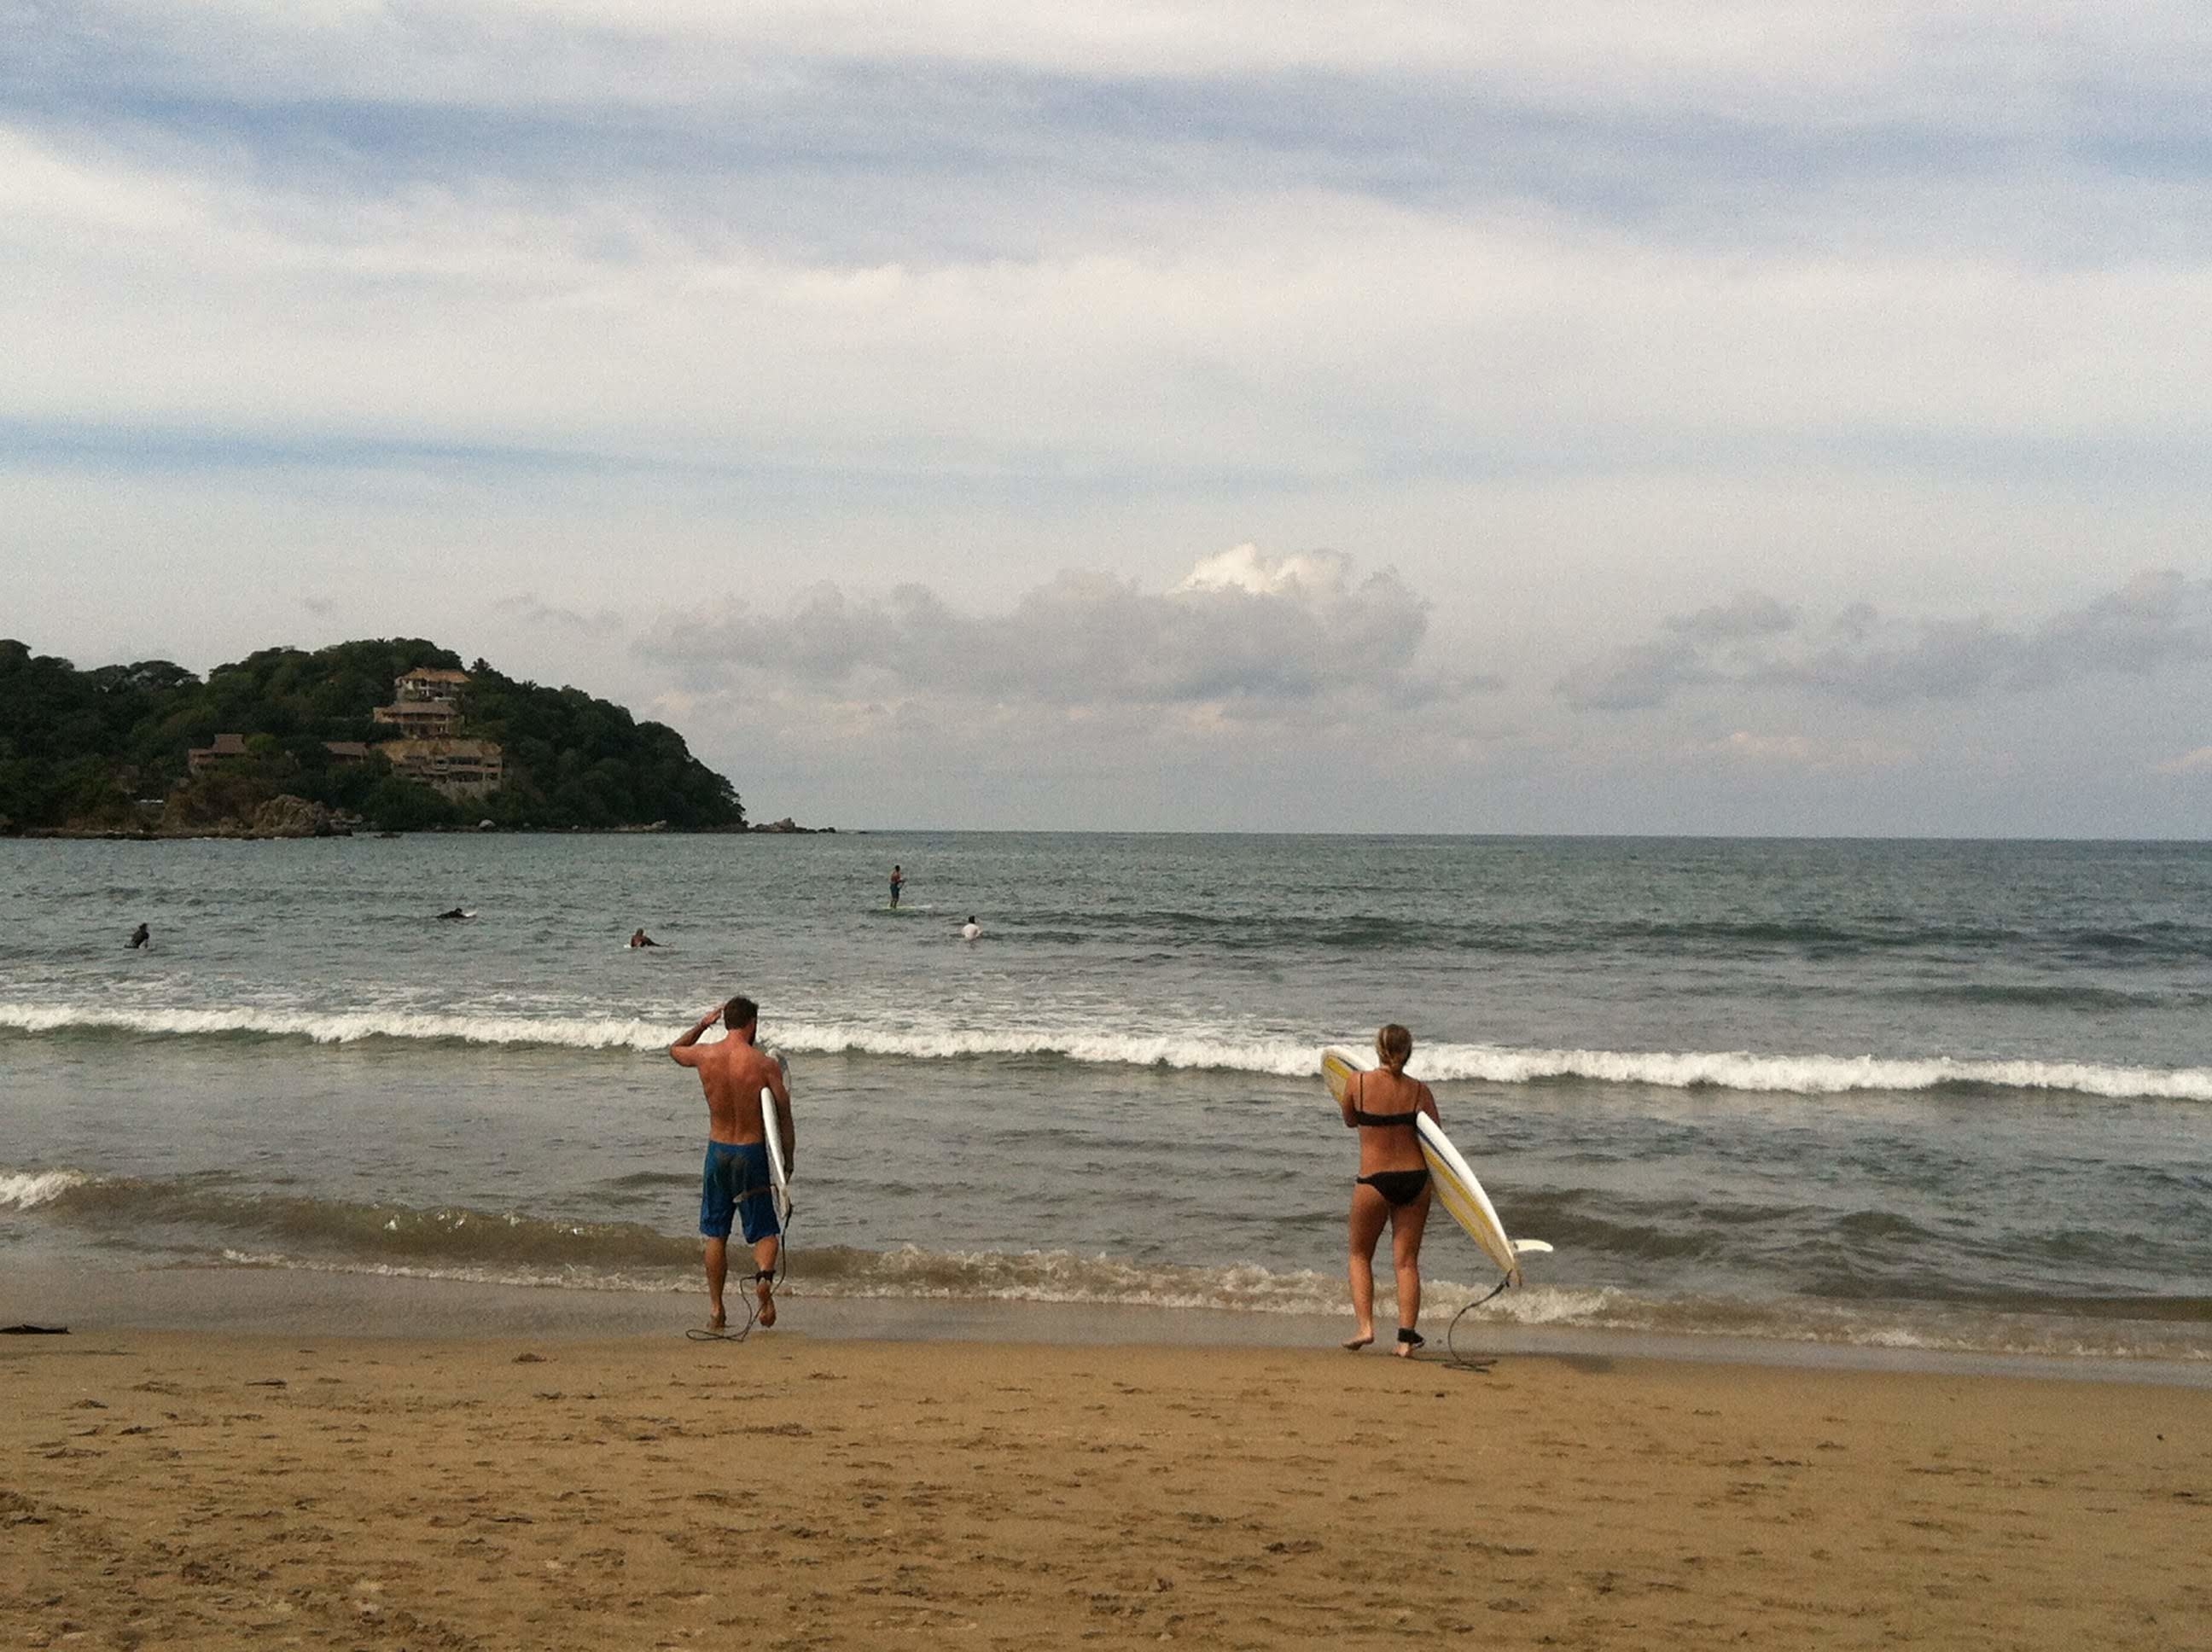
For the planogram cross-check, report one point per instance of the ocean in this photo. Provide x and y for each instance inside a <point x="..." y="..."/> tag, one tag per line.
<point x="1939" y="1096"/>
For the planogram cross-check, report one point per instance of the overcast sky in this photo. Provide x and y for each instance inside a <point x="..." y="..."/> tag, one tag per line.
<point x="1792" y="415"/>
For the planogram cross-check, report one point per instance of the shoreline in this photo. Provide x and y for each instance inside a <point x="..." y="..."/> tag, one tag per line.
<point x="248" y="1301"/>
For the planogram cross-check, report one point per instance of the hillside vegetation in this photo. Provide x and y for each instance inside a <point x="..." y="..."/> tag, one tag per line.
<point x="84" y="750"/>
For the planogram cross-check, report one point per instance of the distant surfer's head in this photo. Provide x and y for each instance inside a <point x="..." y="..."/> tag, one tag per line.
<point x="1396" y="1046"/>
<point x="740" y="1011"/>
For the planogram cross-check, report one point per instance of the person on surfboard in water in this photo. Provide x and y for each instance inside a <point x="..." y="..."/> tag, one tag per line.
<point x="734" y="1185"/>
<point x="1393" y="1186"/>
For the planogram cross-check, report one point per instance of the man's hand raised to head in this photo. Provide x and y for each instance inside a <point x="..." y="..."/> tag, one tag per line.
<point x="691" y="1037"/>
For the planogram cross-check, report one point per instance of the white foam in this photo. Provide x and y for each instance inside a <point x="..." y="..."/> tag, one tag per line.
<point x="1194" y="1049"/>
<point x="1806" y="1075"/>
<point x="343" y="1026"/>
<point x="23" y="1190"/>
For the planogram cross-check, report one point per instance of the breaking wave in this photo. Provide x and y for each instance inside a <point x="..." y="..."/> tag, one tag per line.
<point x="23" y="1190"/>
<point x="198" y="1222"/>
<point x="1192" y="1050"/>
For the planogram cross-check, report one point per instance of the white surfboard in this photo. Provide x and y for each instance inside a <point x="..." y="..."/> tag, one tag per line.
<point x="1456" y="1183"/>
<point x="779" y="1175"/>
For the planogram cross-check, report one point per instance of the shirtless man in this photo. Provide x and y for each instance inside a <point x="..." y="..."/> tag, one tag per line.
<point x="735" y="1184"/>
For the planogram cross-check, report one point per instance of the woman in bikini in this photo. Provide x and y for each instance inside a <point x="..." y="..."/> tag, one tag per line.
<point x="1392" y="1185"/>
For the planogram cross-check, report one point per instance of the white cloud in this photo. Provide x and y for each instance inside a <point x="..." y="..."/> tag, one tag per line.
<point x="1244" y="638"/>
<point x="1820" y="753"/>
<point x="2198" y="761"/>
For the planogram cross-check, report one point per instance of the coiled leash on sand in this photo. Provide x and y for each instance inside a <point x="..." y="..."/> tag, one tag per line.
<point x="1457" y="1360"/>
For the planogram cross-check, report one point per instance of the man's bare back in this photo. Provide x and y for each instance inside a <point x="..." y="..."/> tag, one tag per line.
<point x="732" y="1074"/>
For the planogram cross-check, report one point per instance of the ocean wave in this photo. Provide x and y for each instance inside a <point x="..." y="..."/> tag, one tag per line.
<point x="1196" y="1050"/>
<point x="197" y="1224"/>
<point x="23" y="1190"/>
<point x="1065" y="1280"/>
<point x="1818" y="1075"/>
<point x="342" y="1027"/>
<point x="362" y="1230"/>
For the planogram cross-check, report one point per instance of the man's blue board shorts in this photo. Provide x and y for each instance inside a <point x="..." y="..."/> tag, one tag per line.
<point x="735" y="1186"/>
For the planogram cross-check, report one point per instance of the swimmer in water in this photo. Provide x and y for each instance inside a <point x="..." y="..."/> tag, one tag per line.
<point x="971" y="931"/>
<point x="140" y="936"/>
<point x="898" y="882"/>
<point x="640" y="938"/>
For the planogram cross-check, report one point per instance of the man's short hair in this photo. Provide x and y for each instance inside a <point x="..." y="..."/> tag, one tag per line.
<point x="740" y="1011"/>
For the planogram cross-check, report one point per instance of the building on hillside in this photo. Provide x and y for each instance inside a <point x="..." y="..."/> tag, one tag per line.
<point x="428" y="682"/>
<point x="425" y="703"/>
<point x="226" y="746"/>
<point x="346" y="753"/>
<point x="452" y="767"/>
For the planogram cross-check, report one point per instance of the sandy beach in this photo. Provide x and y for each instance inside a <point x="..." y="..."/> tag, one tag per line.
<point x="201" y="1489"/>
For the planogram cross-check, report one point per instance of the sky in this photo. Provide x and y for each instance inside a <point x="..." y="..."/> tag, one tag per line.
<point x="1785" y="417"/>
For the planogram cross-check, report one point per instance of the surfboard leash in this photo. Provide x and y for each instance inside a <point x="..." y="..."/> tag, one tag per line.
<point x="1453" y="1357"/>
<point x="775" y="1276"/>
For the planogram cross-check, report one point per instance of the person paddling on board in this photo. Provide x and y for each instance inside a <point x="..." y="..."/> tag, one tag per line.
<point x="898" y="882"/>
<point x="1392" y="1185"/>
<point x="140" y="936"/>
<point x="640" y="938"/>
<point x="734" y="1185"/>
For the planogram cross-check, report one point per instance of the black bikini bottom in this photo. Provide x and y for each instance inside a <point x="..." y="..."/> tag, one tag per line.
<point x="1399" y="1187"/>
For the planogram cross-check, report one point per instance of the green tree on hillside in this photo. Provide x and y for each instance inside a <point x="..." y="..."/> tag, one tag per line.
<point x="79" y="747"/>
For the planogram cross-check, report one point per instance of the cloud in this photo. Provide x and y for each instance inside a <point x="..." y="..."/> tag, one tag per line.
<point x="2157" y="621"/>
<point x="1815" y="753"/>
<point x="1243" y="637"/>
<point x="1750" y="614"/>
<point x="531" y="611"/>
<point x="2198" y="761"/>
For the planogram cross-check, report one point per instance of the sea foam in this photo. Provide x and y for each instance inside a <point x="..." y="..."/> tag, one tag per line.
<point x="1195" y="1049"/>
<point x="24" y="1190"/>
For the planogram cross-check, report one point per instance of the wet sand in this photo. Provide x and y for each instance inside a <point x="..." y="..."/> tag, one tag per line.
<point x="228" y="1489"/>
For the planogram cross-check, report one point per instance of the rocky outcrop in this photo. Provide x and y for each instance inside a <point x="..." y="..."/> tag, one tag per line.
<point x="290" y="816"/>
<point x="787" y="824"/>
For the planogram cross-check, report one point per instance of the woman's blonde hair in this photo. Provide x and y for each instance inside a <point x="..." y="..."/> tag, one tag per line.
<point x="1396" y="1046"/>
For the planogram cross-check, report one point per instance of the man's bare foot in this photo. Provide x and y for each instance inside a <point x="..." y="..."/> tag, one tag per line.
<point x="718" y="1321"/>
<point x="764" y="1292"/>
<point x="1365" y="1339"/>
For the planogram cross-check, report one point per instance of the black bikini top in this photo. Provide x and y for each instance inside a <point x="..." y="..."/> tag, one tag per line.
<point x="1381" y="1121"/>
<point x="1385" y="1120"/>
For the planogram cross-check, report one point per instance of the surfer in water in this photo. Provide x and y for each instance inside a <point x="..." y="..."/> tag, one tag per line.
<point x="971" y="931"/>
<point x="735" y="1186"/>
<point x="140" y="936"/>
<point x="1393" y="1186"/>
<point x="640" y="938"/>
<point x="898" y="882"/>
